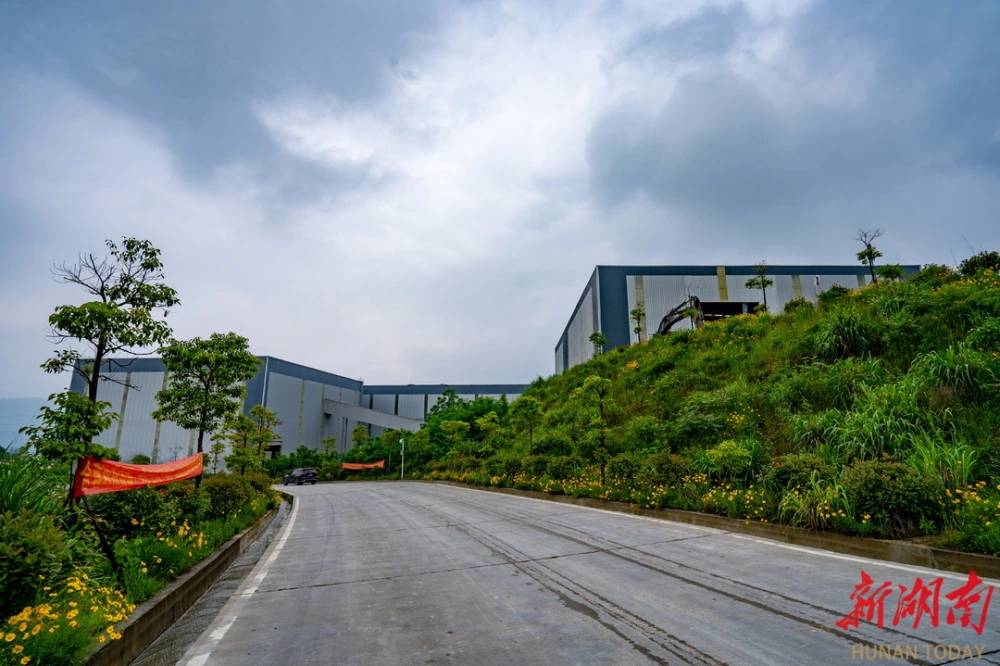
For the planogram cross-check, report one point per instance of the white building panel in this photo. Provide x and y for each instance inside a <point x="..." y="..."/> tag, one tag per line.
<point x="580" y="330"/>
<point x="412" y="406"/>
<point x="284" y="395"/>
<point x="111" y="391"/>
<point x="312" y="415"/>
<point x="384" y="403"/>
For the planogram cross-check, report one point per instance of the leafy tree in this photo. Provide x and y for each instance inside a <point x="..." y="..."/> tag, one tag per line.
<point x="215" y="452"/>
<point x="127" y="289"/>
<point x="596" y="393"/>
<point x="239" y="431"/>
<point x="598" y="340"/>
<point x="978" y="262"/>
<point x="526" y="413"/>
<point x="890" y="272"/>
<point x="760" y="281"/>
<point x="455" y="431"/>
<point x="329" y="445"/>
<point x="207" y="380"/>
<point x="66" y="431"/>
<point x="359" y="435"/>
<point x="868" y="255"/>
<point x="264" y="434"/>
<point x="491" y="432"/>
<point x="637" y="314"/>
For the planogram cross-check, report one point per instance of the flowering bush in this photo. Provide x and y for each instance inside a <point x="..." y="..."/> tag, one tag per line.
<point x="61" y="629"/>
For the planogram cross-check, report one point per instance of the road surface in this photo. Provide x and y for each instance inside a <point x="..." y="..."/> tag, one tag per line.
<point x="389" y="573"/>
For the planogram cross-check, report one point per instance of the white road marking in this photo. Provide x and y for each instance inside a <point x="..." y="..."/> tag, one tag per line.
<point x="765" y="542"/>
<point x="199" y="653"/>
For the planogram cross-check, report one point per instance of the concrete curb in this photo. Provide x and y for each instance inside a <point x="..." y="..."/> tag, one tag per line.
<point x="153" y="616"/>
<point x="985" y="566"/>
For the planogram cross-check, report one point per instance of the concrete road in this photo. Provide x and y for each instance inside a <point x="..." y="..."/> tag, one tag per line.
<point x="414" y="573"/>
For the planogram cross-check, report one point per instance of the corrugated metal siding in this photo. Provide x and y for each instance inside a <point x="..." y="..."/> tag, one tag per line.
<point x="311" y="414"/>
<point x="412" y="406"/>
<point x="112" y="391"/>
<point x="283" y="394"/>
<point x="384" y="403"/>
<point x="560" y="349"/>
<point x="580" y="328"/>
<point x="664" y="293"/>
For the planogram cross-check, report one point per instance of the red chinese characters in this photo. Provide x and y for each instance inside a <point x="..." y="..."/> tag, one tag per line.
<point x="970" y="603"/>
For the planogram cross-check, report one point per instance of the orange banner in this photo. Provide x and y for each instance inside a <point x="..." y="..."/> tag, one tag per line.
<point x="95" y="476"/>
<point x="380" y="463"/>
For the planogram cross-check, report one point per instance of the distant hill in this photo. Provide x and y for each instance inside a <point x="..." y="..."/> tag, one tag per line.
<point x="14" y="414"/>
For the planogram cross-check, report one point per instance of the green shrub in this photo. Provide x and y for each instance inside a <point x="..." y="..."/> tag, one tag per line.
<point x="833" y="295"/>
<point x="645" y="432"/>
<point x="141" y="459"/>
<point x="846" y="333"/>
<point x="259" y="481"/>
<point x="188" y="502"/>
<point x="729" y="459"/>
<point x="623" y="467"/>
<point x="563" y="467"/>
<point x="553" y="444"/>
<point x="959" y="367"/>
<point x="795" y="469"/>
<point x="510" y="467"/>
<point x="130" y="512"/>
<point x="663" y="468"/>
<point x="986" y="336"/>
<point x="29" y="481"/>
<point x="494" y="466"/>
<point x="332" y="471"/>
<point x="536" y="466"/>
<point x="899" y="500"/>
<point x="32" y="546"/>
<point x="980" y="262"/>
<point x="933" y="275"/>
<point x="226" y="494"/>
<point x="798" y="304"/>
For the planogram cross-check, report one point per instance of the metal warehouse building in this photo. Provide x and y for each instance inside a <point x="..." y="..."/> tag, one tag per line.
<point x="614" y="291"/>
<point x="312" y="404"/>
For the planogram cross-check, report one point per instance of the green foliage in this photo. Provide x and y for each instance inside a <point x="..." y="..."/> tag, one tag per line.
<point x="141" y="459"/>
<point x="127" y="289"/>
<point x="526" y="414"/>
<point x="890" y="272"/>
<point x="32" y="548"/>
<point x="760" y="281"/>
<point x="898" y="498"/>
<point x="127" y="512"/>
<point x="227" y="495"/>
<point x="959" y="367"/>
<point x="834" y="294"/>
<point x="624" y="467"/>
<point x="598" y="340"/>
<point x="729" y="459"/>
<point x="637" y="314"/>
<point x="553" y="443"/>
<point x="845" y="333"/>
<point x="563" y="467"/>
<point x="798" y="304"/>
<point x="207" y="381"/>
<point x="29" y="481"/>
<point x="66" y="430"/>
<point x="984" y="261"/>
<point x="795" y="470"/>
<point x="645" y="432"/>
<point x="536" y="466"/>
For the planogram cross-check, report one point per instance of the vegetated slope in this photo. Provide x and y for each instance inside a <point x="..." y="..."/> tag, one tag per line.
<point x="875" y="413"/>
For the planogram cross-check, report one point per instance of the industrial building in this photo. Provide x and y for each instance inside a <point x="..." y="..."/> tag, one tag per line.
<point x="614" y="291"/>
<point x="312" y="404"/>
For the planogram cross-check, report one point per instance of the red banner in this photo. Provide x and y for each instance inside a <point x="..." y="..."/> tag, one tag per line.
<point x="380" y="463"/>
<point x="95" y="476"/>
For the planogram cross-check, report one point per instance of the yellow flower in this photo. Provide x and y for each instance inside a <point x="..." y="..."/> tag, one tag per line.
<point x="73" y="624"/>
<point x="36" y="629"/>
<point x="9" y="637"/>
<point x="135" y="522"/>
<point x="17" y="649"/>
<point x="25" y="660"/>
<point x="100" y="639"/>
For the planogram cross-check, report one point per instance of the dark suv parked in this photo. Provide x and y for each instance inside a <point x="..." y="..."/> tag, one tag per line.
<point x="301" y="475"/>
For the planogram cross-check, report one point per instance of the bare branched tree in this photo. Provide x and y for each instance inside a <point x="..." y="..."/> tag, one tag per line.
<point x="126" y="288"/>
<point x="870" y="253"/>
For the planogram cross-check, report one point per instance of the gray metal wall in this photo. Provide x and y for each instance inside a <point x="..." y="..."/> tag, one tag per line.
<point x="614" y="291"/>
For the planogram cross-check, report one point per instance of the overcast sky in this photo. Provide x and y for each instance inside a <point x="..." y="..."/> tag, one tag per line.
<point x="419" y="191"/>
